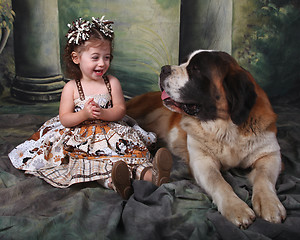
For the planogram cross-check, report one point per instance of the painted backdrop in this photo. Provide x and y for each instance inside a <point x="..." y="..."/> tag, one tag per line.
<point x="146" y="36"/>
<point x="261" y="34"/>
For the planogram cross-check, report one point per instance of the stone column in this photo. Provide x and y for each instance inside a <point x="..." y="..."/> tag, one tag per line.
<point x="205" y="24"/>
<point x="37" y="53"/>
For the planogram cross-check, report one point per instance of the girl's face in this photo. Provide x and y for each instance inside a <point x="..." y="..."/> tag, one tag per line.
<point x="94" y="61"/>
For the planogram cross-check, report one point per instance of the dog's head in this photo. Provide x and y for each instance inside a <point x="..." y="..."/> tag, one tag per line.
<point x="210" y="85"/>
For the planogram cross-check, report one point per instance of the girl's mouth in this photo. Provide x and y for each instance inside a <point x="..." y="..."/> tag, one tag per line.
<point x="99" y="72"/>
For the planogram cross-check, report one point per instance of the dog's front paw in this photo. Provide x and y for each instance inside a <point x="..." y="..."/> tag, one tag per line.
<point x="238" y="212"/>
<point x="267" y="206"/>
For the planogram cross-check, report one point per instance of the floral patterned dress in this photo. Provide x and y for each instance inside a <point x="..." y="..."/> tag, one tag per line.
<point x="65" y="156"/>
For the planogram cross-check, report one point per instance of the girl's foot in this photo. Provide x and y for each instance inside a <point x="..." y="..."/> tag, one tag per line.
<point x="121" y="179"/>
<point x="162" y="164"/>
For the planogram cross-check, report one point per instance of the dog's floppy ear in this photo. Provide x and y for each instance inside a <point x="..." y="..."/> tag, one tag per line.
<point x="240" y="94"/>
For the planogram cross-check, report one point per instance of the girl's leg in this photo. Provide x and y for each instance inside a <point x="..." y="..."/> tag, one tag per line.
<point x="107" y="183"/>
<point x="147" y="176"/>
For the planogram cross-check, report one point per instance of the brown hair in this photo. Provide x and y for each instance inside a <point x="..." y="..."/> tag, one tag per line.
<point x="72" y="69"/>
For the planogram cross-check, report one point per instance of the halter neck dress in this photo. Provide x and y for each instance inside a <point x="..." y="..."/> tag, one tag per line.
<point x="65" y="156"/>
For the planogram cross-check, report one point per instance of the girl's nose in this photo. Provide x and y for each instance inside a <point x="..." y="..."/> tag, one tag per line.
<point x="101" y="62"/>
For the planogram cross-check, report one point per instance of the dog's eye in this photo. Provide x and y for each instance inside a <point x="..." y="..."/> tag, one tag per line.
<point x="196" y="68"/>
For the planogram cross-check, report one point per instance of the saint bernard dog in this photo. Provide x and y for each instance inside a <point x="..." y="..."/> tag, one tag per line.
<point x="213" y="114"/>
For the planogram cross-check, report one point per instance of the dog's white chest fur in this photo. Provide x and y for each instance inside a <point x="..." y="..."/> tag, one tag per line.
<point x="221" y="141"/>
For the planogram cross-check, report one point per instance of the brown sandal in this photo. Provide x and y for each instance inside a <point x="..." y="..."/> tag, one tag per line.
<point x="162" y="164"/>
<point x="120" y="176"/>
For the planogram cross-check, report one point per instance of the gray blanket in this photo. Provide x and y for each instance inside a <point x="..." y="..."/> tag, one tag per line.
<point x="32" y="209"/>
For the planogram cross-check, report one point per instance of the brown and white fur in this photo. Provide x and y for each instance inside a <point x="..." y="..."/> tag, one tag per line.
<point x="216" y="117"/>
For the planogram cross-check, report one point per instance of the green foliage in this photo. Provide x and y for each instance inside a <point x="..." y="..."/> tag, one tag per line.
<point x="278" y="42"/>
<point x="270" y="45"/>
<point x="7" y="15"/>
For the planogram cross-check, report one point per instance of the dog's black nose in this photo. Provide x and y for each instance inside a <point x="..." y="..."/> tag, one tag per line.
<point x="165" y="72"/>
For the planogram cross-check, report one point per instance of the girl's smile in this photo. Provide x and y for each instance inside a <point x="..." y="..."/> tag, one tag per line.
<point x="99" y="73"/>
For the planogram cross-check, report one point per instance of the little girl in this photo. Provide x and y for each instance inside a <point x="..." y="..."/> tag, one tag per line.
<point x="90" y="140"/>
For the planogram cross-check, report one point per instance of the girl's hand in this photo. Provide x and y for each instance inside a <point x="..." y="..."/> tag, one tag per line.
<point x="93" y="110"/>
<point x="89" y="108"/>
<point x="97" y="111"/>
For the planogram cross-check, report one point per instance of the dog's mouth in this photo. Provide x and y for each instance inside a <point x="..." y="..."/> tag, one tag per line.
<point x="170" y="103"/>
<point x="190" y="109"/>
